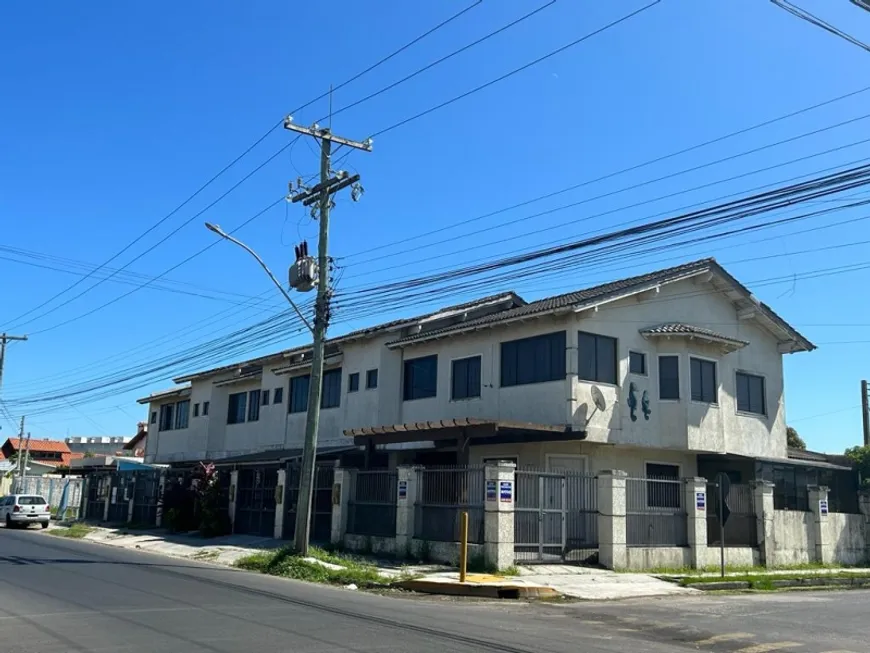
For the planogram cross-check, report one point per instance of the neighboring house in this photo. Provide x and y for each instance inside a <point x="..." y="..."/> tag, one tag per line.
<point x="685" y="361"/>
<point x="97" y="445"/>
<point x="44" y="456"/>
<point x="137" y="445"/>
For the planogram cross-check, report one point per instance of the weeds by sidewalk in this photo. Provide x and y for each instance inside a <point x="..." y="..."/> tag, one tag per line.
<point x="75" y="531"/>
<point x="319" y="567"/>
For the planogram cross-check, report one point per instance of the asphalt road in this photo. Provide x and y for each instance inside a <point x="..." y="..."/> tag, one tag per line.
<point x="61" y="595"/>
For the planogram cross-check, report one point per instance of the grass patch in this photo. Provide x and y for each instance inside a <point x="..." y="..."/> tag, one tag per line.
<point x="75" y="531"/>
<point x="284" y="562"/>
<point x="730" y="569"/>
<point x="766" y="581"/>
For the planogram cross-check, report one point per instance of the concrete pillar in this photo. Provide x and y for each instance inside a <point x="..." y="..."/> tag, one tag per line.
<point x="864" y="507"/>
<point x="818" y="495"/>
<point x="342" y="487"/>
<point x="612" y="550"/>
<point x="234" y="488"/>
<point x="107" y="486"/>
<point x="83" y="499"/>
<point x="498" y="524"/>
<point x="762" y="492"/>
<point x="161" y="489"/>
<point x="132" y="500"/>
<point x="696" y="520"/>
<point x="279" y="503"/>
<point x="406" y="500"/>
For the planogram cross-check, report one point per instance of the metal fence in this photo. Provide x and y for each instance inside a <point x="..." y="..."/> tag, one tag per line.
<point x="655" y="512"/>
<point x="146" y="497"/>
<point x="52" y="489"/>
<point x="255" y="501"/>
<point x="740" y="528"/>
<point x="372" y="502"/>
<point x="321" y="502"/>
<point x="555" y="516"/>
<point x="442" y="494"/>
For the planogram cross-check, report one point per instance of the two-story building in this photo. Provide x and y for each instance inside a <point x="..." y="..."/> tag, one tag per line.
<point x="668" y="374"/>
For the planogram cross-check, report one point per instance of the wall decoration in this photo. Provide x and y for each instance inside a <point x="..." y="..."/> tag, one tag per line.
<point x="644" y="405"/>
<point x="632" y="400"/>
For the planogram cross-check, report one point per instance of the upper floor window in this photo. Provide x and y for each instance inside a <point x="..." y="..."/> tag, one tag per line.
<point x="265" y="397"/>
<point x="298" y="402"/>
<point x="421" y="378"/>
<point x="166" y="414"/>
<point x="153" y="416"/>
<point x="330" y="396"/>
<point x="637" y="363"/>
<point x="182" y="414"/>
<point x="353" y="382"/>
<point x="278" y="396"/>
<point x="669" y="377"/>
<point x="371" y="379"/>
<point x="196" y="410"/>
<point x="750" y="393"/>
<point x="254" y="398"/>
<point x="533" y="360"/>
<point x="465" y="378"/>
<point x="596" y="357"/>
<point x="703" y="376"/>
<point x="205" y="405"/>
<point x="236" y="406"/>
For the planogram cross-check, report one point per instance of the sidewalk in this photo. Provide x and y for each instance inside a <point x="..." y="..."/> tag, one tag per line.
<point x="567" y="580"/>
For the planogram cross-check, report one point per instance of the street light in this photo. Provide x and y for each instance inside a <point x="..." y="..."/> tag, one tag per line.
<point x="220" y="232"/>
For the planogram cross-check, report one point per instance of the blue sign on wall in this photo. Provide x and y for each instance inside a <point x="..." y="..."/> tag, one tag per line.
<point x="506" y="491"/>
<point x="403" y="489"/>
<point x="491" y="491"/>
<point x="701" y="500"/>
<point x="823" y="507"/>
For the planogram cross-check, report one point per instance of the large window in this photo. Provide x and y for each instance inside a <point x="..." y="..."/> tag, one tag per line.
<point x="182" y="414"/>
<point x="166" y="413"/>
<point x="669" y="377"/>
<point x="298" y="402"/>
<point x="331" y="395"/>
<point x="596" y="358"/>
<point x="533" y="360"/>
<point x="421" y="378"/>
<point x="465" y="378"/>
<point x="663" y="488"/>
<point x="236" y="408"/>
<point x="254" y="399"/>
<point x="703" y="375"/>
<point x="750" y="394"/>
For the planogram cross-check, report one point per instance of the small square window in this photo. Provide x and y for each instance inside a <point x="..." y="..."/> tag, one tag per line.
<point x="353" y="382"/>
<point x="421" y="378"/>
<point x="204" y="408"/>
<point x="278" y="396"/>
<point x="265" y="397"/>
<point x="465" y="378"/>
<point x="371" y="379"/>
<point x="596" y="358"/>
<point x="153" y="416"/>
<point x="196" y="410"/>
<point x="637" y="363"/>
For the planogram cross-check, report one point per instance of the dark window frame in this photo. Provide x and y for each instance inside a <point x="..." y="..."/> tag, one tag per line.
<point x="237" y="407"/>
<point x="297" y="401"/>
<point x="167" y="418"/>
<point x="178" y="414"/>
<point x="196" y="409"/>
<point x="602" y="362"/>
<point x="661" y="385"/>
<point x="330" y="389"/>
<point x="465" y="378"/>
<point x="632" y="353"/>
<point x="254" y="399"/>
<point x="353" y="382"/>
<point x="153" y="417"/>
<point x="418" y="382"/>
<point x="664" y="494"/>
<point x="537" y="359"/>
<point x="205" y="406"/>
<point x="372" y="379"/>
<point x="264" y="397"/>
<point x="747" y="405"/>
<point x="278" y="395"/>
<point x="703" y="394"/>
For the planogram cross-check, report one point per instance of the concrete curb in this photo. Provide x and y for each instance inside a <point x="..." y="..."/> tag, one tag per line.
<point x="506" y="590"/>
<point x="803" y="583"/>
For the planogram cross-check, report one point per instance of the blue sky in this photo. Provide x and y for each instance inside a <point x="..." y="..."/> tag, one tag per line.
<point x="114" y="113"/>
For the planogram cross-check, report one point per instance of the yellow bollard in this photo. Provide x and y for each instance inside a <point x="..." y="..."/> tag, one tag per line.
<point x="463" y="545"/>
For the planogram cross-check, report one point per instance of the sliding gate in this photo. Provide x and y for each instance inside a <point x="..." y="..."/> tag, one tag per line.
<point x="555" y="517"/>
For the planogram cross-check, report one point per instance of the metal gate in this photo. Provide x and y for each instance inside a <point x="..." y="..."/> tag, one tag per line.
<point x="321" y="502"/>
<point x="95" y="503"/>
<point x="146" y="490"/>
<point x="255" y="502"/>
<point x="119" y="499"/>
<point x="555" y="517"/>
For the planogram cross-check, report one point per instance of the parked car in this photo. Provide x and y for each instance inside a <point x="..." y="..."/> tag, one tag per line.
<point x="17" y="509"/>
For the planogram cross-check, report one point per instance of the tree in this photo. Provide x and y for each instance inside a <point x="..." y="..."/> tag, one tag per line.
<point x="794" y="440"/>
<point x="861" y="457"/>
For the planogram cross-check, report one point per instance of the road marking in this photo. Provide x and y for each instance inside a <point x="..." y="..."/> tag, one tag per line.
<point x="766" y="648"/>
<point x="724" y="637"/>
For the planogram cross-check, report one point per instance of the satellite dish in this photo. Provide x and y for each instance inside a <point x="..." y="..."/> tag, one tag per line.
<point x="598" y="398"/>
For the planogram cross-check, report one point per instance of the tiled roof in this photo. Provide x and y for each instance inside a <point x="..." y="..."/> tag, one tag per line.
<point x="55" y="446"/>
<point x="677" y="328"/>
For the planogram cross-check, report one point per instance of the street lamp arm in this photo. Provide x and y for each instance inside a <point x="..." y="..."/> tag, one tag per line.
<point x="220" y="232"/>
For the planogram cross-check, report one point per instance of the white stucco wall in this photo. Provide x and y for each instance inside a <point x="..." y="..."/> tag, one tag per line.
<point x="793" y="536"/>
<point x="847" y="536"/>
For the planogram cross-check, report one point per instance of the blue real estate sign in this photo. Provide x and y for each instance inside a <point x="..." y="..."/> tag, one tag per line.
<point x="491" y="491"/>
<point x="506" y="491"/>
<point x="701" y="500"/>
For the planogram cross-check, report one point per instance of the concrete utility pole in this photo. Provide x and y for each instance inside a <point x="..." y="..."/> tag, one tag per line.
<point x="320" y="194"/>
<point x="23" y="450"/>
<point x="865" y="412"/>
<point x="4" y="339"/>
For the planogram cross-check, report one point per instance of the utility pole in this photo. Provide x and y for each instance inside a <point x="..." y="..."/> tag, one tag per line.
<point x="23" y="450"/>
<point x="321" y="194"/>
<point x="865" y="412"/>
<point x="4" y="339"/>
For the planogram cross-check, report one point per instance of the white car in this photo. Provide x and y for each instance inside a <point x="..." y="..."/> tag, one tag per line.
<point x="24" y="509"/>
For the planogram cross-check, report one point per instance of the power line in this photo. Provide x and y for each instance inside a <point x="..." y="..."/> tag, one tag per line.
<point x="515" y="71"/>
